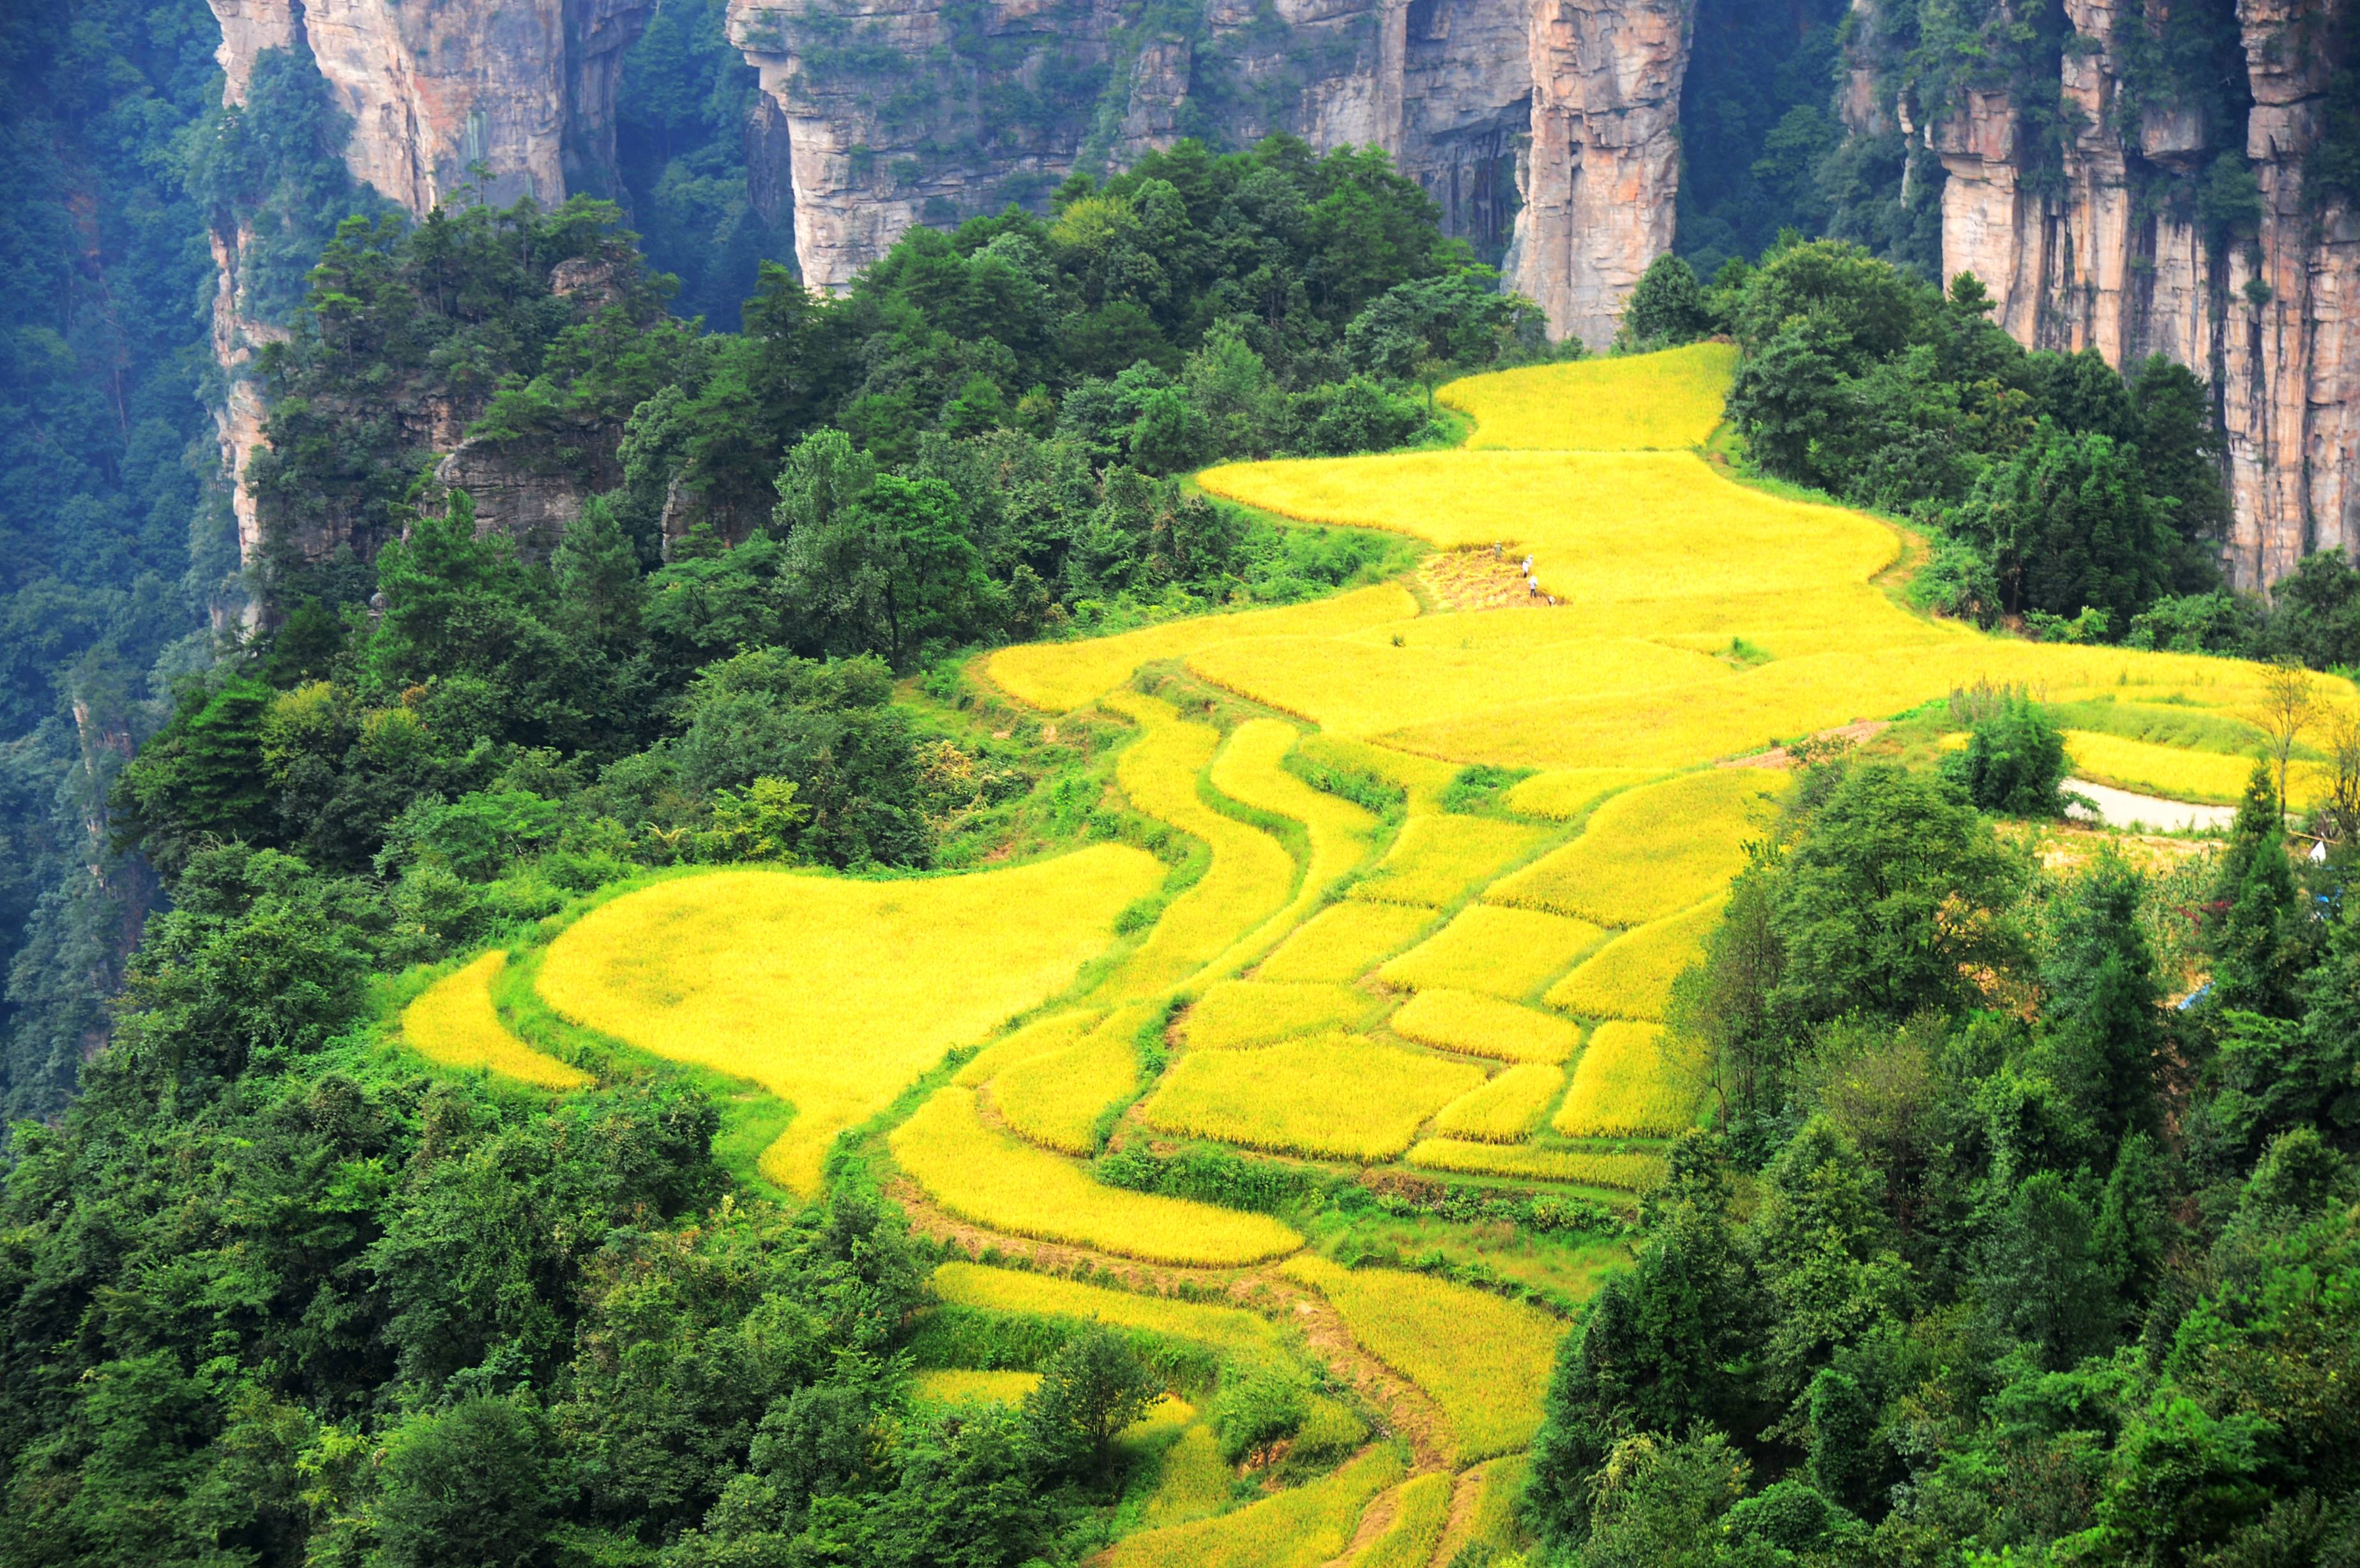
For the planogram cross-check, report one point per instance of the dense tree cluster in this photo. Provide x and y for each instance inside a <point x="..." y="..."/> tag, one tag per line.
<point x="2030" y="1267"/>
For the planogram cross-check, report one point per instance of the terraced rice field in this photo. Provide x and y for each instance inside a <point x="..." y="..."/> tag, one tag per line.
<point x="1452" y="972"/>
<point x="454" y="1023"/>
<point x="802" y="982"/>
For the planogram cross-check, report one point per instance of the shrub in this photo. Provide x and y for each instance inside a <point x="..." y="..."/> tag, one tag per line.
<point x="2014" y="761"/>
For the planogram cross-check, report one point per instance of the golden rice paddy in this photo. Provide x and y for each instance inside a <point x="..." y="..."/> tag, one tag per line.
<point x="1295" y="1528"/>
<point x="1439" y="858"/>
<point x="1651" y="851"/>
<point x="1696" y="621"/>
<point x="1251" y="876"/>
<point x="1421" y="1511"/>
<point x="454" y="1023"/>
<point x="1505" y="1109"/>
<point x="1345" y="941"/>
<point x="994" y="1180"/>
<point x="1259" y="1012"/>
<point x="1056" y="1099"/>
<point x="1048" y="1295"/>
<point x="1525" y="1162"/>
<point x="1338" y="1095"/>
<point x="1503" y="952"/>
<point x="1634" y="1081"/>
<point x="1631" y="978"/>
<point x="1478" y="1025"/>
<point x="1483" y="1358"/>
<point x="1622" y="403"/>
<point x="2175" y="774"/>
<point x="804" y="984"/>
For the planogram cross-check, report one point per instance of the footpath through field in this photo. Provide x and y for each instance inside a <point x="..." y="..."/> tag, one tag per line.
<point x="1467" y="986"/>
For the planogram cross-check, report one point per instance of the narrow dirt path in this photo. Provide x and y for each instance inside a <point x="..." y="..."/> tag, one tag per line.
<point x="1405" y="1409"/>
<point x="1375" y="1520"/>
<point x="1461" y="1522"/>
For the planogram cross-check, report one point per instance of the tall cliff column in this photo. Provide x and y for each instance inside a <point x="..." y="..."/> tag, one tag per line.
<point x="2290" y="382"/>
<point x="438" y="91"/>
<point x="1603" y="166"/>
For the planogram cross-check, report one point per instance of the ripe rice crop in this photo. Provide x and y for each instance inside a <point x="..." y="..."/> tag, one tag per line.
<point x="454" y="1023"/>
<point x="1421" y="779"/>
<point x="1193" y="1481"/>
<point x="1631" y="978"/>
<point x="805" y="983"/>
<point x="1615" y="529"/>
<point x="2177" y="775"/>
<point x="1498" y="1500"/>
<point x="1247" y="769"/>
<point x="1505" y="1109"/>
<point x="961" y="1387"/>
<point x="1061" y="676"/>
<point x="997" y="1180"/>
<point x="1372" y="684"/>
<point x="1651" y="851"/>
<point x="1523" y="1162"/>
<point x="1345" y="941"/>
<point x="1336" y="1096"/>
<point x="1437" y="858"/>
<point x="1056" y="1099"/>
<point x="1485" y="1026"/>
<point x="1038" y="1038"/>
<point x="1629" y="402"/>
<point x="1048" y="1295"/>
<point x="1253" y="1012"/>
<point x="1420" y="1509"/>
<point x="1250" y="877"/>
<point x="1484" y="1359"/>
<point x="1567" y="792"/>
<point x="1296" y="1529"/>
<point x="1507" y="953"/>
<point x="1634" y="1081"/>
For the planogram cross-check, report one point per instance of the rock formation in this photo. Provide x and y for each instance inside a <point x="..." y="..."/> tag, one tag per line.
<point x="1547" y="129"/>
<point x="515" y="98"/>
<point x="2115" y="257"/>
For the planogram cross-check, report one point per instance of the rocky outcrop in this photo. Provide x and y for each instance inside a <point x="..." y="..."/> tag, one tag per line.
<point x="516" y="99"/>
<point x="2111" y="251"/>
<point x="1603" y="166"/>
<point x="1544" y="128"/>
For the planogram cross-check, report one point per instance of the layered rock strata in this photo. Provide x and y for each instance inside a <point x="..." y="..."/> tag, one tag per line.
<point x="2115" y="257"/>
<point x="515" y="99"/>
<point x="1547" y="129"/>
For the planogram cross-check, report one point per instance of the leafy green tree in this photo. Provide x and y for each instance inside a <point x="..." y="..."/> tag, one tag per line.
<point x="2069" y="524"/>
<point x="2014" y="762"/>
<point x="1824" y="1255"/>
<point x="1664" y="1347"/>
<point x="894" y="573"/>
<point x="1891" y="900"/>
<point x="1661" y="1500"/>
<point x="1666" y="308"/>
<point x="202" y="778"/>
<point x="1093" y="1387"/>
<point x="468" y="1487"/>
<point x="2101" y="1003"/>
<point x="2258" y="933"/>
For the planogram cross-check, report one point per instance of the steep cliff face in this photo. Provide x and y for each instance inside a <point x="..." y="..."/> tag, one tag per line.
<point x="1544" y="128"/>
<point x="517" y="99"/>
<point x="1604" y="167"/>
<point x="2112" y="249"/>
